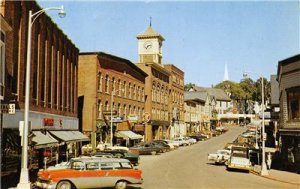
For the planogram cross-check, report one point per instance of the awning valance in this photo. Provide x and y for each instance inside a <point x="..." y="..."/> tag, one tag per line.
<point x="43" y="140"/>
<point x="128" y="135"/>
<point x="70" y="136"/>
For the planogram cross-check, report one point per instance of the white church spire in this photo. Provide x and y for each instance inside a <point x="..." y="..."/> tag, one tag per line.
<point x="226" y="77"/>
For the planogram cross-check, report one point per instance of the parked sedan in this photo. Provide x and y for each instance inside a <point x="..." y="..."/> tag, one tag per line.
<point x="91" y="172"/>
<point x="219" y="157"/>
<point x="199" y="137"/>
<point x="146" y="148"/>
<point x="181" y="141"/>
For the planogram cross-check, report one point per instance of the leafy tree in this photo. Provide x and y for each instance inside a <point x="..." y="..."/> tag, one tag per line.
<point x="188" y="86"/>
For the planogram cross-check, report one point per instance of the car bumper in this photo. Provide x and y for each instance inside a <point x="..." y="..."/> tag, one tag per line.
<point x="45" y="185"/>
<point x="241" y="167"/>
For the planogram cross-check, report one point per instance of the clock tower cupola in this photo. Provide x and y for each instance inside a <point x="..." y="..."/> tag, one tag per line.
<point x="150" y="46"/>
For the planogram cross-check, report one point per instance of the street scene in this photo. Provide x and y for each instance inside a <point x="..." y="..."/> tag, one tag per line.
<point x="149" y="94"/>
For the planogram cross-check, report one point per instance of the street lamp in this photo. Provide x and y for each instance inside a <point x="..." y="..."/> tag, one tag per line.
<point x="264" y="170"/>
<point x="111" y="115"/>
<point x="24" y="177"/>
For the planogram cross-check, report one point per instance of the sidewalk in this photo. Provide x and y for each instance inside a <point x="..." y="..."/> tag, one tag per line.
<point x="280" y="176"/>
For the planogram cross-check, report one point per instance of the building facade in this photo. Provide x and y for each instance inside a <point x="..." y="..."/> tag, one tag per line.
<point x="107" y="84"/>
<point x="157" y="85"/>
<point x="176" y="100"/>
<point x="288" y="75"/>
<point x="53" y="81"/>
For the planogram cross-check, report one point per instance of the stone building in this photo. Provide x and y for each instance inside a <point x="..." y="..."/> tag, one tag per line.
<point x="107" y="84"/>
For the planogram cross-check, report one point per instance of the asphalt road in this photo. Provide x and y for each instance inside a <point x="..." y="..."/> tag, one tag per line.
<point x="188" y="168"/>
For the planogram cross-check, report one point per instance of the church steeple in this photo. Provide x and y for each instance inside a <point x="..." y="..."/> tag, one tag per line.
<point x="226" y="77"/>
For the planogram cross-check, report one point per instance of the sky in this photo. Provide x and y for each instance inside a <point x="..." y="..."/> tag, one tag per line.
<point x="200" y="36"/>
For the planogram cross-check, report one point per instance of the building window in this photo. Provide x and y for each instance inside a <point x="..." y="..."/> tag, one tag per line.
<point x="113" y="86"/>
<point x="99" y="105"/>
<point x="99" y="81"/>
<point x="119" y="87"/>
<point x="294" y="104"/>
<point x="106" y="83"/>
<point x="124" y="89"/>
<point x="129" y="90"/>
<point x="134" y="92"/>
<point x="125" y="111"/>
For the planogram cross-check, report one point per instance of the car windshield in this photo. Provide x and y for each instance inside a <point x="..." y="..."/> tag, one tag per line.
<point x="239" y="154"/>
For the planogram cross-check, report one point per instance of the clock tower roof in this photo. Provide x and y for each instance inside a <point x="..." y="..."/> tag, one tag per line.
<point x="150" y="33"/>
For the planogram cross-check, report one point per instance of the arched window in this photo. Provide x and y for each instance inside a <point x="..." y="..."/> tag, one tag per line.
<point x="99" y="82"/>
<point x="125" y="91"/>
<point x="99" y="105"/>
<point x="129" y="90"/>
<point x="119" y="87"/>
<point x="106" y="83"/>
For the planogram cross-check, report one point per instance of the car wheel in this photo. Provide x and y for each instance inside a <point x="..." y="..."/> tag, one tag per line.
<point x="153" y="153"/>
<point x="121" y="184"/>
<point x="64" y="185"/>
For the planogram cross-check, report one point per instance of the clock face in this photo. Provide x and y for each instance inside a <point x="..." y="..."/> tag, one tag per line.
<point x="148" y="45"/>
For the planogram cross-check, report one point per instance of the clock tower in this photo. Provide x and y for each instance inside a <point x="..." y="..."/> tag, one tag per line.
<point x="150" y="46"/>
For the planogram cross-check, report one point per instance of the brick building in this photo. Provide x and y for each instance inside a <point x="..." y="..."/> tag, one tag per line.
<point x="158" y="87"/>
<point x="176" y="100"/>
<point x="53" y="81"/>
<point x="110" y="83"/>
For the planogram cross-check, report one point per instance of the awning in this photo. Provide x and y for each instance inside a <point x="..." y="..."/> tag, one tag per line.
<point x="43" y="140"/>
<point x="128" y="135"/>
<point x="70" y="136"/>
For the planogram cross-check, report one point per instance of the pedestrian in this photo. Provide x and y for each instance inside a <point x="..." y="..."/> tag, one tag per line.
<point x="269" y="160"/>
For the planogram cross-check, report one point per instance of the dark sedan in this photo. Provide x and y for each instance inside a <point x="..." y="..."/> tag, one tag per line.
<point x="146" y="148"/>
<point x="199" y="137"/>
<point x="132" y="157"/>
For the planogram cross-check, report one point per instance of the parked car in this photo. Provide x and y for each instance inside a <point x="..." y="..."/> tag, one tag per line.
<point x="171" y="142"/>
<point x="165" y="144"/>
<point x="181" y="141"/>
<point x="132" y="157"/>
<point x="199" y="137"/>
<point x="239" y="159"/>
<point x="219" y="157"/>
<point x="91" y="172"/>
<point x="145" y="148"/>
<point x="190" y="140"/>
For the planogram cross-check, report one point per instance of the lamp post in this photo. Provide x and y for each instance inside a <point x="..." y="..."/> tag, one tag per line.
<point x="264" y="170"/>
<point x="111" y="115"/>
<point x="24" y="182"/>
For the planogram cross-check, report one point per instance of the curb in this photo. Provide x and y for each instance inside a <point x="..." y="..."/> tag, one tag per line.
<point x="293" y="183"/>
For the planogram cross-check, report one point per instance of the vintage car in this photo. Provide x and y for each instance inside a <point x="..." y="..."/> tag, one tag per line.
<point x="239" y="159"/>
<point x="145" y="148"/>
<point x="165" y="143"/>
<point x="181" y="141"/>
<point x="91" y="172"/>
<point x="219" y="157"/>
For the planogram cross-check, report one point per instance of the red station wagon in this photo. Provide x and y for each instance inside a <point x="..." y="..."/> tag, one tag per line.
<point x="91" y="172"/>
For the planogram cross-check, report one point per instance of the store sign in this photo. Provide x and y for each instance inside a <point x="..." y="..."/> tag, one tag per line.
<point x="133" y="118"/>
<point x="48" y="122"/>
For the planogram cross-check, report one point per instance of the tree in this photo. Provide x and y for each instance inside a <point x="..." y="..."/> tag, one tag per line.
<point x="188" y="86"/>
